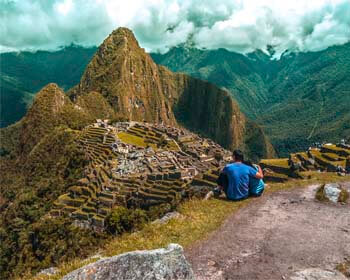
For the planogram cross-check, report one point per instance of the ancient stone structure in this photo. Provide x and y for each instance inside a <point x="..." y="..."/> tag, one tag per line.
<point x="327" y="157"/>
<point x="134" y="164"/>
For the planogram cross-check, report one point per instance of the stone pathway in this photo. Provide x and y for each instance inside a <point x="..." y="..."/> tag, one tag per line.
<point x="275" y="237"/>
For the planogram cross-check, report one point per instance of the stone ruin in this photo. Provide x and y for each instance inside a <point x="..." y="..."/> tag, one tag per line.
<point x="135" y="164"/>
<point x="326" y="157"/>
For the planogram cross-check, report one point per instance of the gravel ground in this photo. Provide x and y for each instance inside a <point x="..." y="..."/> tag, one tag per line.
<point x="275" y="236"/>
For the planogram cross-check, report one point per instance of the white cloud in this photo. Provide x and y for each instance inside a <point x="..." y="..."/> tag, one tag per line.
<point x="237" y="25"/>
<point x="64" y="7"/>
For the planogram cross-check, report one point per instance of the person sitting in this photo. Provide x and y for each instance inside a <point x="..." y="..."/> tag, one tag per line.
<point x="238" y="177"/>
<point x="239" y="180"/>
<point x="256" y="186"/>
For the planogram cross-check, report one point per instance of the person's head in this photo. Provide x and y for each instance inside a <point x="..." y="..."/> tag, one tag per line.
<point x="248" y="162"/>
<point x="238" y="156"/>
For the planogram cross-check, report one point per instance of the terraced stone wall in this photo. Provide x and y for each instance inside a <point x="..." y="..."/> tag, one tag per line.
<point x="138" y="165"/>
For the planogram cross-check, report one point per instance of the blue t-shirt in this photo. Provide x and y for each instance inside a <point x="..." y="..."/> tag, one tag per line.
<point x="256" y="186"/>
<point x="238" y="180"/>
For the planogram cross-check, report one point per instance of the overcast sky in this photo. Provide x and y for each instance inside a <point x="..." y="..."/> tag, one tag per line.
<point x="237" y="25"/>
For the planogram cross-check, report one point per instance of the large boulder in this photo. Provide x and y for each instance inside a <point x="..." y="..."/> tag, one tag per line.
<point x="316" y="273"/>
<point x="332" y="192"/>
<point x="167" y="263"/>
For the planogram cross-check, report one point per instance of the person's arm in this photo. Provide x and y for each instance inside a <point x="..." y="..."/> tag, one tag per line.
<point x="259" y="174"/>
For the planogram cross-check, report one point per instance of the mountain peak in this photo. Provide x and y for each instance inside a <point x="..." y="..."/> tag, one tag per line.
<point x="128" y="78"/>
<point x="121" y="40"/>
<point x="50" y="98"/>
<point x="43" y="116"/>
<point x="123" y="31"/>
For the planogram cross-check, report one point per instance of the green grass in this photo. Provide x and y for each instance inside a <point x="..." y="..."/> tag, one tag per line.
<point x="134" y="140"/>
<point x="279" y="162"/>
<point x="199" y="218"/>
<point x="343" y="196"/>
<point x="320" y="196"/>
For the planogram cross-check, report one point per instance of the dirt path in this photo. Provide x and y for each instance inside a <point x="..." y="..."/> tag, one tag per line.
<point x="275" y="236"/>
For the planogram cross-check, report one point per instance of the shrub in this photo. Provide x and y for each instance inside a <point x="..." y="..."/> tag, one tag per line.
<point x="320" y="194"/>
<point x="343" y="196"/>
<point x="157" y="211"/>
<point x="122" y="219"/>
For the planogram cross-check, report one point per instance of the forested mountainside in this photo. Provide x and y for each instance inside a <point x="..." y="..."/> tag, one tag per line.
<point x="299" y="99"/>
<point x="41" y="158"/>
<point x="23" y="74"/>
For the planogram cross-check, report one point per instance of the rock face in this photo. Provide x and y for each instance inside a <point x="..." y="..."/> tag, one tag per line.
<point x="167" y="217"/>
<point x="138" y="89"/>
<point x="319" y="274"/>
<point x="332" y="192"/>
<point x="48" y="271"/>
<point x="168" y="263"/>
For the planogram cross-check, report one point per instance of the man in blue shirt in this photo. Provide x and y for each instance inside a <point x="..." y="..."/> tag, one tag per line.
<point x="238" y="175"/>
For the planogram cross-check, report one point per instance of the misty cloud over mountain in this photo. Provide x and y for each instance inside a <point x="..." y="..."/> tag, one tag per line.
<point x="236" y="25"/>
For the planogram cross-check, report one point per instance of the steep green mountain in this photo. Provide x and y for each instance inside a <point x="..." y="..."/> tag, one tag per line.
<point x="299" y="99"/>
<point x="139" y="89"/>
<point x="25" y="73"/>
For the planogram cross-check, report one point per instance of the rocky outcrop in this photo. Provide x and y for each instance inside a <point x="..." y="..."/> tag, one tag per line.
<point x="167" y="217"/>
<point x="48" y="271"/>
<point x="332" y="192"/>
<point x="168" y="263"/>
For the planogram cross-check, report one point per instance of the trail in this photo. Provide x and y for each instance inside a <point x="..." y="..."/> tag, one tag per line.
<point x="273" y="237"/>
<point x="318" y="119"/>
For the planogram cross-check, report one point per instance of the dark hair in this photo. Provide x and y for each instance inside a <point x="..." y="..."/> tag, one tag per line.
<point x="238" y="155"/>
<point x="248" y="162"/>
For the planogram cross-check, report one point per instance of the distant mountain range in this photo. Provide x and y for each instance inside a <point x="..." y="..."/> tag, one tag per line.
<point x="299" y="99"/>
<point x="23" y="74"/>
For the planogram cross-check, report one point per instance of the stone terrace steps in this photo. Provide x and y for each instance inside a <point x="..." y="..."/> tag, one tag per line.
<point x="343" y="152"/>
